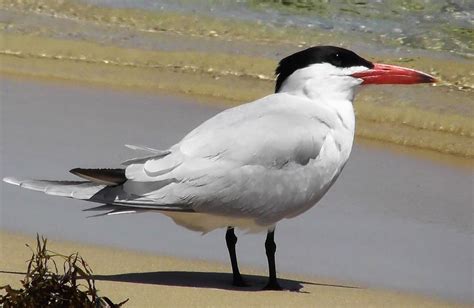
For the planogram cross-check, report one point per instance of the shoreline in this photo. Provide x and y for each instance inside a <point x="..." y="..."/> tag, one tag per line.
<point x="173" y="281"/>
<point x="381" y="113"/>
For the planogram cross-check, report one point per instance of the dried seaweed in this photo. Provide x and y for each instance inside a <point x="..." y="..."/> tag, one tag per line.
<point x="45" y="286"/>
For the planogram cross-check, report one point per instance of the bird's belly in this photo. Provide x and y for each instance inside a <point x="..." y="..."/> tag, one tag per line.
<point x="205" y="222"/>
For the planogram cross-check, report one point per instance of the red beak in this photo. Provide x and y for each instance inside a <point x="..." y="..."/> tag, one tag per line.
<point x="391" y="74"/>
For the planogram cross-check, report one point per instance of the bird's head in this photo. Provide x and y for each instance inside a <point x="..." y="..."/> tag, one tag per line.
<point x="337" y="69"/>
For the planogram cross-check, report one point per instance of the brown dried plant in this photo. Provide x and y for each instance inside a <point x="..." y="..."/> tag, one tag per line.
<point x="45" y="286"/>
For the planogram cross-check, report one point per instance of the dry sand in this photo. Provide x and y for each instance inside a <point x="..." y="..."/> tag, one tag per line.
<point x="157" y="281"/>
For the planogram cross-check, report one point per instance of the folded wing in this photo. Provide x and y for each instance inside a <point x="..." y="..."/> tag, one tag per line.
<point x="261" y="144"/>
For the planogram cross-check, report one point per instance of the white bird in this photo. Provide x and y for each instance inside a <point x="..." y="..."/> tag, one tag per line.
<point x="250" y="166"/>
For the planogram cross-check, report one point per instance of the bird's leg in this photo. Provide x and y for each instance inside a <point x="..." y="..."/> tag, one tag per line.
<point x="231" y="240"/>
<point x="270" y="248"/>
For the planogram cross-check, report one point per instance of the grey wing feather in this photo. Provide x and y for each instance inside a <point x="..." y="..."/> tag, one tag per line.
<point x="147" y="149"/>
<point x="137" y="160"/>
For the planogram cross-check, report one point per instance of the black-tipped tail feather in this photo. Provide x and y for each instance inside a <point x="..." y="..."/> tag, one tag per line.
<point x="109" y="177"/>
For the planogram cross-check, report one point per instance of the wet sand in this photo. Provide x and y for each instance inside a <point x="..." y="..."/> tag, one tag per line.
<point x="151" y="281"/>
<point x="392" y="221"/>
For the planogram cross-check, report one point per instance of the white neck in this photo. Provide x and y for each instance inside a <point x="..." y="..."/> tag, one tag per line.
<point x="327" y="85"/>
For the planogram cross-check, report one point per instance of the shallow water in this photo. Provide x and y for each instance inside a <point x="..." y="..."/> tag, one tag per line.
<point x="228" y="50"/>
<point x="430" y="24"/>
<point x="435" y="25"/>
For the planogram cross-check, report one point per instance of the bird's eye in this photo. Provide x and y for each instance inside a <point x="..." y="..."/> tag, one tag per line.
<point x="336" y="60"/>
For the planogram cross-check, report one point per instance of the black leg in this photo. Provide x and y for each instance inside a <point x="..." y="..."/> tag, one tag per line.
<point x="231" y="240"/>
<point x="270" y="248"/>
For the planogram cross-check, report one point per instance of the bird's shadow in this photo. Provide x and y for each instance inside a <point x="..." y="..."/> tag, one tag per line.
<point x="212" y="280"/>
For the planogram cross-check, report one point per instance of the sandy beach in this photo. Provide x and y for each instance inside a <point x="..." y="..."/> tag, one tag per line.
<point x="158" y="281"/>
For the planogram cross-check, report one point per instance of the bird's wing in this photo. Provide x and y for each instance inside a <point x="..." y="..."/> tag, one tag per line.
<point x="271" y="132"/>
<point x="154" y="154"/>
<point x="260" y="161"/>
<point x="146" y="149"/>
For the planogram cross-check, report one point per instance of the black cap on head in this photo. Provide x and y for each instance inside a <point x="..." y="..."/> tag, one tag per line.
<point x="336" y="56"/>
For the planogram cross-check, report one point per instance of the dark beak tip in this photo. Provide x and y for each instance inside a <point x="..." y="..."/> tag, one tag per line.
<point x="428" y="79"/>
<point x="425" y="78"/>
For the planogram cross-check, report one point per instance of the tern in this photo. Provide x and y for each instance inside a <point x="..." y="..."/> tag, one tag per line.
<point x="250" y="166"/>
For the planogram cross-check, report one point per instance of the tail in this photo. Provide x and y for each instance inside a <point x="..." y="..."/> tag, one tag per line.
<point x="103" y="187"/>
<point x="83" y="190"/>
<point x="98" y="179"/>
